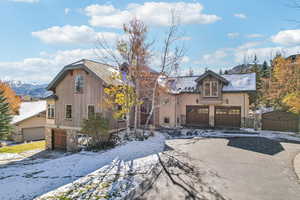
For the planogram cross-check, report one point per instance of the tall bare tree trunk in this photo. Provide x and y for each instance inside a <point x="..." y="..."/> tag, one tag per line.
<point x="153" y="104"/>
<point x="127" y="123"/>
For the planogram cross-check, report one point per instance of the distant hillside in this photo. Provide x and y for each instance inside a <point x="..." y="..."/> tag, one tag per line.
<point x="243" y="68"/>
<point x="33" y="90"/>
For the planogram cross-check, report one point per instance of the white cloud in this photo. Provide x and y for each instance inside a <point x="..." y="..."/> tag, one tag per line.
<point x="249" y="45"/>
<point x="233" y="35"/>
<point x="73" y="35"/>
<point x="185" y="38"/>
<point x="26" y="1"/>
<point x="254" y="35"/>
<point x="287" y="37"/>
<point x="185" y="59"/>
<point x="228" y="57"/>
<point x="152" y="13"/>
<point x="67" y="11"/>
<point x="44" y="68"/>
<point x="263" y="53"/>
<point x="240" y="15"/>
<point x="214" y="58"/>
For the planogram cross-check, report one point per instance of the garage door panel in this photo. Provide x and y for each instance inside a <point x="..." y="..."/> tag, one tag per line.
<point x="197" y="116"/>
<point x="32" y="134"/>
<point x="227" y="116"/>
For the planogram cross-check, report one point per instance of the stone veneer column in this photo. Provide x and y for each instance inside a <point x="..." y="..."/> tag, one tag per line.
<point x="72" y="144"/>
<point x="48" y="138"/>
<point x="211" y="115"/>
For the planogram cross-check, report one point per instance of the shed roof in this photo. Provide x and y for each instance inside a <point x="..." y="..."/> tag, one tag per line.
<point x="28" y="110"/>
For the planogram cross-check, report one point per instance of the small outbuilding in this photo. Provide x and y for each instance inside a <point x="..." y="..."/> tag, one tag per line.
<point x="29" y="125"/>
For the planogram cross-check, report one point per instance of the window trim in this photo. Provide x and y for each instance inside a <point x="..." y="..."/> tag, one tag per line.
<point x="50" y="106"/>
<point x="210" y="89"/>
<point x="66" y="112"/>
<point x="87" y="109"/>
<point x="75" y="83"/>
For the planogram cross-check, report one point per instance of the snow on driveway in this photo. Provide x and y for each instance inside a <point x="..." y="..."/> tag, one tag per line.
<point x="29" y="181"/>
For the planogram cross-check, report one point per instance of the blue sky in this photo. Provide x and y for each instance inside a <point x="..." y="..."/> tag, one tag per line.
<point x="39" y="37"/>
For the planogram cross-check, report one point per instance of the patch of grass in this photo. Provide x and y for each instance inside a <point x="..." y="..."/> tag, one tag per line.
<point x="19" y="148"/>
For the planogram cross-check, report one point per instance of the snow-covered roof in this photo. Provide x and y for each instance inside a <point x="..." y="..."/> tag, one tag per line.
<point x="240" y="82"/>
<point x="28" y="110"/>
<point x="237" y="83"/>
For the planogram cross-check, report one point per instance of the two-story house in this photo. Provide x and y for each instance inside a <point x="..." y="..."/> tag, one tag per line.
<point x="78" y="91"/>
<point x="208" y="100"/>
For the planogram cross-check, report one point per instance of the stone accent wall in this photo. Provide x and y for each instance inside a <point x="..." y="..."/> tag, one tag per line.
<point x="48" y="138"/>
<point x="16" y="134"/>
<point x="72" y="142"/>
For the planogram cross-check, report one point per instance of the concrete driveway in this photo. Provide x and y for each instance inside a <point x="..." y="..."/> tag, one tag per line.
<point x="235" y="168"/>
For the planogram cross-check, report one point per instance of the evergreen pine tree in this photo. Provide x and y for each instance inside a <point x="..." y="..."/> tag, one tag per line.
<point x="265" y="73"/>
<point x="5" y="116"/>
<point x="256" y="97"/>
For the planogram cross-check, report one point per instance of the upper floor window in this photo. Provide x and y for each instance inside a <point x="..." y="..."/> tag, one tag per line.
<point x="90" y="110"/>
<point x="68" y="112"/>
<point x="210" y="88"/>
<point x="50" y="111"/>
<point x="79" y="83"/>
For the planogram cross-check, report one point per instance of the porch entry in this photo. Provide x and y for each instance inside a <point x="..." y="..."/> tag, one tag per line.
<point x="59" y="139"/>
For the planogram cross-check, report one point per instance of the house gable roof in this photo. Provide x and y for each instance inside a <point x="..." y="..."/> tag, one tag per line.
<point x="213" y="74"/>
<point x="100" y="70"/>
<point x="188" y="84"/>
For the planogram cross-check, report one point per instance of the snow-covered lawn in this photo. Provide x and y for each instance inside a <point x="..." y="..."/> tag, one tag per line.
<point x="30" y="181"/>
<point x="112" y="181"/>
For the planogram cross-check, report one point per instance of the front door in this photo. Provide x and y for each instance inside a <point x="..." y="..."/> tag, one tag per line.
<point x="59" y="139"/>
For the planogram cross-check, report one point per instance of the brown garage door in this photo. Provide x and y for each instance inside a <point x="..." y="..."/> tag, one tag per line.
<point x="226" y="116"/>
<point x="280" y="121"/>
<point x="32" y="134"/>
<point x="197" y="116"/>
<point x="59" y="139"/>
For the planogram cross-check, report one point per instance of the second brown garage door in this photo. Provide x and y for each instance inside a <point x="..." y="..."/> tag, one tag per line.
<point x="226" y="116"/>
<point x="197" y="116"/>
<point x="59" y="139"/>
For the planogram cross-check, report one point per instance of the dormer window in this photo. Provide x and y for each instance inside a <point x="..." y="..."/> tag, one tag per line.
<point x="79" y="84"/>
<point x="210" y="88"/>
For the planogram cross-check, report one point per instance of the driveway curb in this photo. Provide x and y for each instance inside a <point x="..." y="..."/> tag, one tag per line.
<point x="297" y="165"/>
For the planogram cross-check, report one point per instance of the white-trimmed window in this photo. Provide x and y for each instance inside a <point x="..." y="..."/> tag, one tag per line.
<point x="51" y="111"/>
<point x="79" y="83"/>
<point x="90" y="110"/>
<point x="210" y="88"/>
<point x="68" y="111"/>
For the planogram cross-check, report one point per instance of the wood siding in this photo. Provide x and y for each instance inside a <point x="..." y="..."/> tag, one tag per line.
<point x="92" y="95"/>
<point x="280" y="121"/>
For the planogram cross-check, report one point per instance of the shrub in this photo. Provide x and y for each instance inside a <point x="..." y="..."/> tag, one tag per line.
<point x="97" y="127"/>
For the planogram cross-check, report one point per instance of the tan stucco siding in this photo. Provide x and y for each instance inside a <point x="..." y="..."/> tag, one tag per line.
<point x="177" y="106"/>
<point x="33" y="122"/>
<point x="167" y="109"/>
